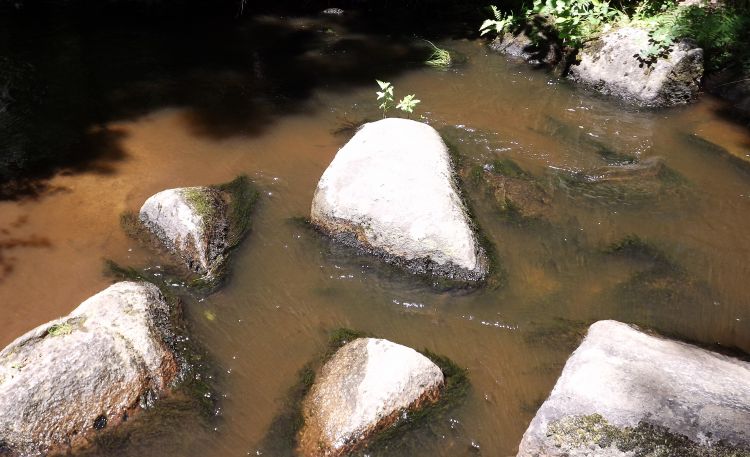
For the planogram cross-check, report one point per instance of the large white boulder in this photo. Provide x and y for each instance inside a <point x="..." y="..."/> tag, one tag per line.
<point x="610" y="64"/>
<point x="192" y="223"/>
<point x="363" y="388"/>
<point x="625" y="393"/>
<point x="64" y="380"/>
<point x="391" y="191"/>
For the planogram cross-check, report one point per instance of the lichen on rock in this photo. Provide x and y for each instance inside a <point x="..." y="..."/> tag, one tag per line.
<point x="626" y="393"/>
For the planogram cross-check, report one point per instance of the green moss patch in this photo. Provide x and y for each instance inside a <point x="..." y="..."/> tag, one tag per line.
<point x="200" y="201"/>
<point x="241" y="197"/>
<point x="231" y="203"/>
<point x="60" y="329"/>
<point x="644" y="440"/>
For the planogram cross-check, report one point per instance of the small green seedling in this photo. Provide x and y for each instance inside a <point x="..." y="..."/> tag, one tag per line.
<point x="385" y="96"/>
<point x="407" y="104"/>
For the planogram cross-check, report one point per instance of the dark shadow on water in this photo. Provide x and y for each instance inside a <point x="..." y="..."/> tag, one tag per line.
<point x="65" y="73"/>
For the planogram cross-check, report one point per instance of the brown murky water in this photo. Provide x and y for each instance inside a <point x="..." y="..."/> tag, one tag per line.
<point x="289" y="287"/>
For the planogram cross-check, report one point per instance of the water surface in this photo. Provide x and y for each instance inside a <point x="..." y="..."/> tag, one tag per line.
<point x="289" y="287"/>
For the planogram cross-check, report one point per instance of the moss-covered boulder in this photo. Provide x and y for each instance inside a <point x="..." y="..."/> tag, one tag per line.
<point x="626" y="393"/>
<point x="201" y="224"/>
<point x="365" y="387"/>
<point x="69" y="380"/>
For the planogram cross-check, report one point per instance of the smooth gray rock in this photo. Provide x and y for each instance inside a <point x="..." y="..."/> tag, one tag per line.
<point x="626" y="393"/>
<point x="192" y="223"/>
<point x="391" y="191"/>
<point x="63" y="380"/>
<point x="610" y="65"/>
<point x="363" y="388"/>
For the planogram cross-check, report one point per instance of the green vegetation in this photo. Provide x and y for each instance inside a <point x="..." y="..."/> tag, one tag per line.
<point x="200" y="199"/>
<point x="243" y="197"/>
<point x="386" y="98"/>
<point x="499" y="23"/>
<point x="233" y="201"/>
<point x="722" y="31"/>
<point x="440" y="58"/>
<point x="63" y="328"/>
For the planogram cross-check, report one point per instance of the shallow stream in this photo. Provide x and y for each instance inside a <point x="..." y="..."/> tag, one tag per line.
<point x="278" y="115"/>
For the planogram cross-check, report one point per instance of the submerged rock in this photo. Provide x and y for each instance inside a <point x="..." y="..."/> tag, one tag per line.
<point x="65" y="380"/>
<point x="611" y="65"/>
<point x="516" y="193"/>
<point x="191" y="222"/>
<point x="390" y="190"/>
<point x="624" y="393"/>
<point x="365" y="387"/>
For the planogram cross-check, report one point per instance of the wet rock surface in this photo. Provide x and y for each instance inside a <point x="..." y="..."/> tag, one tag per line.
<point x="535" y="42"/>
<point x="612" y="66"/>
<point x="624" y="393"/>
<point x="192" y="223"/>
<point x="364" y="388"/>
<point x="66" y="380"/>
<point x="391" y="192"/>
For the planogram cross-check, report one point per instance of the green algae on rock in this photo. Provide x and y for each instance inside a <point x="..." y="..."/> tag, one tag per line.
<point x="200" y="225"/>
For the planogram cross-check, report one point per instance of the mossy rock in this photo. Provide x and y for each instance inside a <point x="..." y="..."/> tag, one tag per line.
<point x="193" y="398"/>
<point x="284" y="432"/>
<point x="198" y="225"/>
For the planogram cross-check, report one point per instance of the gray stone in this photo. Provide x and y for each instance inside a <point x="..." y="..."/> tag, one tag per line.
<point x="542" y="49"/>
<point x="192" y="223"/>
<point x="363" y="388"/>
<point x="626" y="393"/>
<point x="391" y="191"/>
<point x="63" y="380"/>
<point x="610" y="64"/>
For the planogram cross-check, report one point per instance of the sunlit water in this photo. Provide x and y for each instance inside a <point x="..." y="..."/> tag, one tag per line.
<point x="289" y="286"/>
